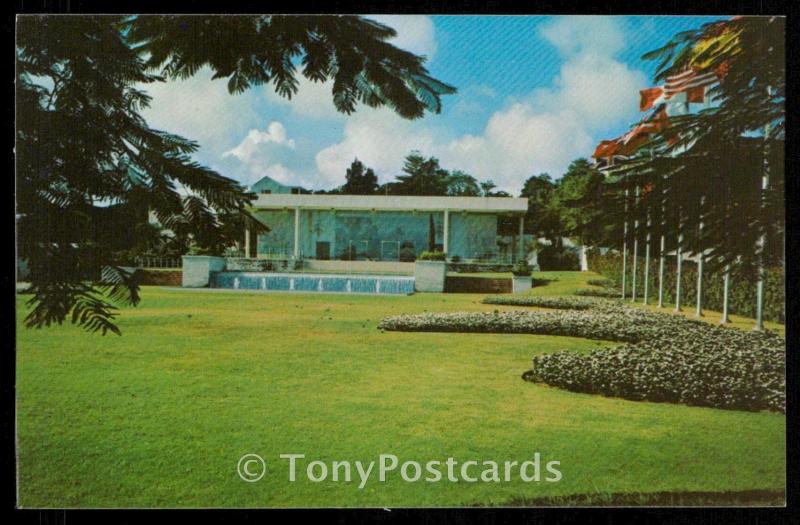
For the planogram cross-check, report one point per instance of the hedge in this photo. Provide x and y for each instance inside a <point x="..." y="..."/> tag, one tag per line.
<point x="742" y="293"/>
<point x="666" y="357"/>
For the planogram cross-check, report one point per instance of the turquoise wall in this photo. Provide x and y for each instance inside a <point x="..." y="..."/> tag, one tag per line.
<point x="471" y="235"/>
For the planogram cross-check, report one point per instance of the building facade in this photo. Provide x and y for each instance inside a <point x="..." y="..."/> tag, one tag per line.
<point x="383" y="228"/>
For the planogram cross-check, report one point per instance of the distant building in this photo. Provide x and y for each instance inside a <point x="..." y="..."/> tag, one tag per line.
<point x="267" y="186"/>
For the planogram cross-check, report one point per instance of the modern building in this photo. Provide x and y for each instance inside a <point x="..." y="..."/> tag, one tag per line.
<point x="383" y="228"/>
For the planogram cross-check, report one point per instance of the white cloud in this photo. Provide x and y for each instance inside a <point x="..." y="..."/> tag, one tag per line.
<point x="415" y="33"/>
<point x="198" y="108"/>
<point x="543" y="132"/>
<point x="275" y="134"/>
<point x="379" y="138"/>
<point x="573" y="35"/>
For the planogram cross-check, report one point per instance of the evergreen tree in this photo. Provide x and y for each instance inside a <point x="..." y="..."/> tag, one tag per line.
<point x="360" y="180"/>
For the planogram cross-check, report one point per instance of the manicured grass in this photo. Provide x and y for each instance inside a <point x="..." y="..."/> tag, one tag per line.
<point x="161" y="415"/>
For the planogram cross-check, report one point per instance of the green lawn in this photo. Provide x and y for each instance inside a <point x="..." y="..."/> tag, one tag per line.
<point x="161" y="415"/>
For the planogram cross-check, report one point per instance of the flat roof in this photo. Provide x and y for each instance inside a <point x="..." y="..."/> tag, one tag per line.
<point x="391" y="203"/>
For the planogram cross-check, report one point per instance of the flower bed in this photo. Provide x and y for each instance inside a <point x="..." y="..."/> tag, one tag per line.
<point x="561" y="302"/>
<point x="666" y="358"/>
<point x="599" y="292"/>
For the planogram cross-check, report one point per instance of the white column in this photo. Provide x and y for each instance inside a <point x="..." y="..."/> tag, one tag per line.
<point x="246" y="241"/>
<point x="446" y="233"/>
<point x="725" y="290"/>
<point x="699" y="308"/>
<point x="297" y="233"/>
<point x="521" y="237"/>
<point x="584" y="259"/>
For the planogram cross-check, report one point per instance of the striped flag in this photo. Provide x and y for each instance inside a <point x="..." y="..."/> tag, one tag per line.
<point x="690" y="82"/>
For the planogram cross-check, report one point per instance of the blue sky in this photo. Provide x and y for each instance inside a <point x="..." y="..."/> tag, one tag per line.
<point x="534" y="93"/>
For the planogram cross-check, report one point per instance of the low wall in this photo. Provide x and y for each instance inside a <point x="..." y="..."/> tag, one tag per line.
<point x="378" y="267"/>
<point x="197" y="270"/>
<point x="150" y="277"/>
<point x="459" y="284"/>
<point x="478" y="267"/>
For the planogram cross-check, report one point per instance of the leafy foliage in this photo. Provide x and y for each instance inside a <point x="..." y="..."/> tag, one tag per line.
<point x="707" y="166"/>
<point x="253" y="50"/>
<point x="82" y="145"/>
<point x="431" y="256"/>
<point x="360" y="180"/>
<point x="741" y="292"/>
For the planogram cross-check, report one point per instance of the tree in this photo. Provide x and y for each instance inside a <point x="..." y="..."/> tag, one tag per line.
<point x="460" y="184"/>
<point x="423" y="176"/>
<point x="360" y="181"/>
<point x="81" y="143"/>
<point x="542" y="218"/>
<point x="579" y="200"/>
<point x="721" y="150"/>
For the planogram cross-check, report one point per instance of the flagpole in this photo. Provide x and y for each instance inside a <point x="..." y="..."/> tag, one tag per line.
<point x="678" y="260"/>
<point x="635" y="245"/>
<point x="647" y="259"/>
<point x="663" y="248"/>
<point x="699" y="309"/>
<point x="625" y="245"/>
<point x="726" y="279"/>
<point x="762" y="241"/>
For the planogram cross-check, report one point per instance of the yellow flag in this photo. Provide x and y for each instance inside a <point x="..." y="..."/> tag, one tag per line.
<point x="723" y="42"/>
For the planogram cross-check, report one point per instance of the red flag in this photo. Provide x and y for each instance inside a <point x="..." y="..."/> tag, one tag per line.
<point x="648" y="97"/>
<point x="606" y="148"/>
<point x="697" y="95"/>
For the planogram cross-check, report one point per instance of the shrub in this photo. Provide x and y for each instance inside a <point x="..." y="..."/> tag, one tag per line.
<point x="407" y="253"/>
<point x="665" y="358"/>
<point x="603" y="283"/>
<point x="543" y="301"/>
<point x="599" y="292"/>
<point x="742" y="298"/>
<point x="432" y="256"/>
<point x="552" y="258"/>
<point x="521" y="269"/>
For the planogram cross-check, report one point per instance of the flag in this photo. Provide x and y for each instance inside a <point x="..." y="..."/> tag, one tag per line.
<point x="650" y="97"/>
<point x="688" y="81"/>
<point x="656" y="122"/>
<point x="697" y="95"/>
<point x="606" y="149"/>
<point x="720" y="39"/>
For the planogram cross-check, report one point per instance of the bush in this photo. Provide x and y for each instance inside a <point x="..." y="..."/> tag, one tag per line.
<point x="431" y="256"/>
<point x="551" y="258"/>
<point x="603" y="283"/>
<point x="741" y="301"/>
<point x="561" y="302"/>
<point x="665" y="358"/>
<point x="407" y="253"/>
<point x="599" y="292"/>
<point x="521" y="269"/>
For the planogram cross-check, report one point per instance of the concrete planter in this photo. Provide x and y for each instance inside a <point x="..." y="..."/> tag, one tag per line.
<point x="197" y="270"/>
<point x="520" y="284"/>
<point x="429" y="276"/>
